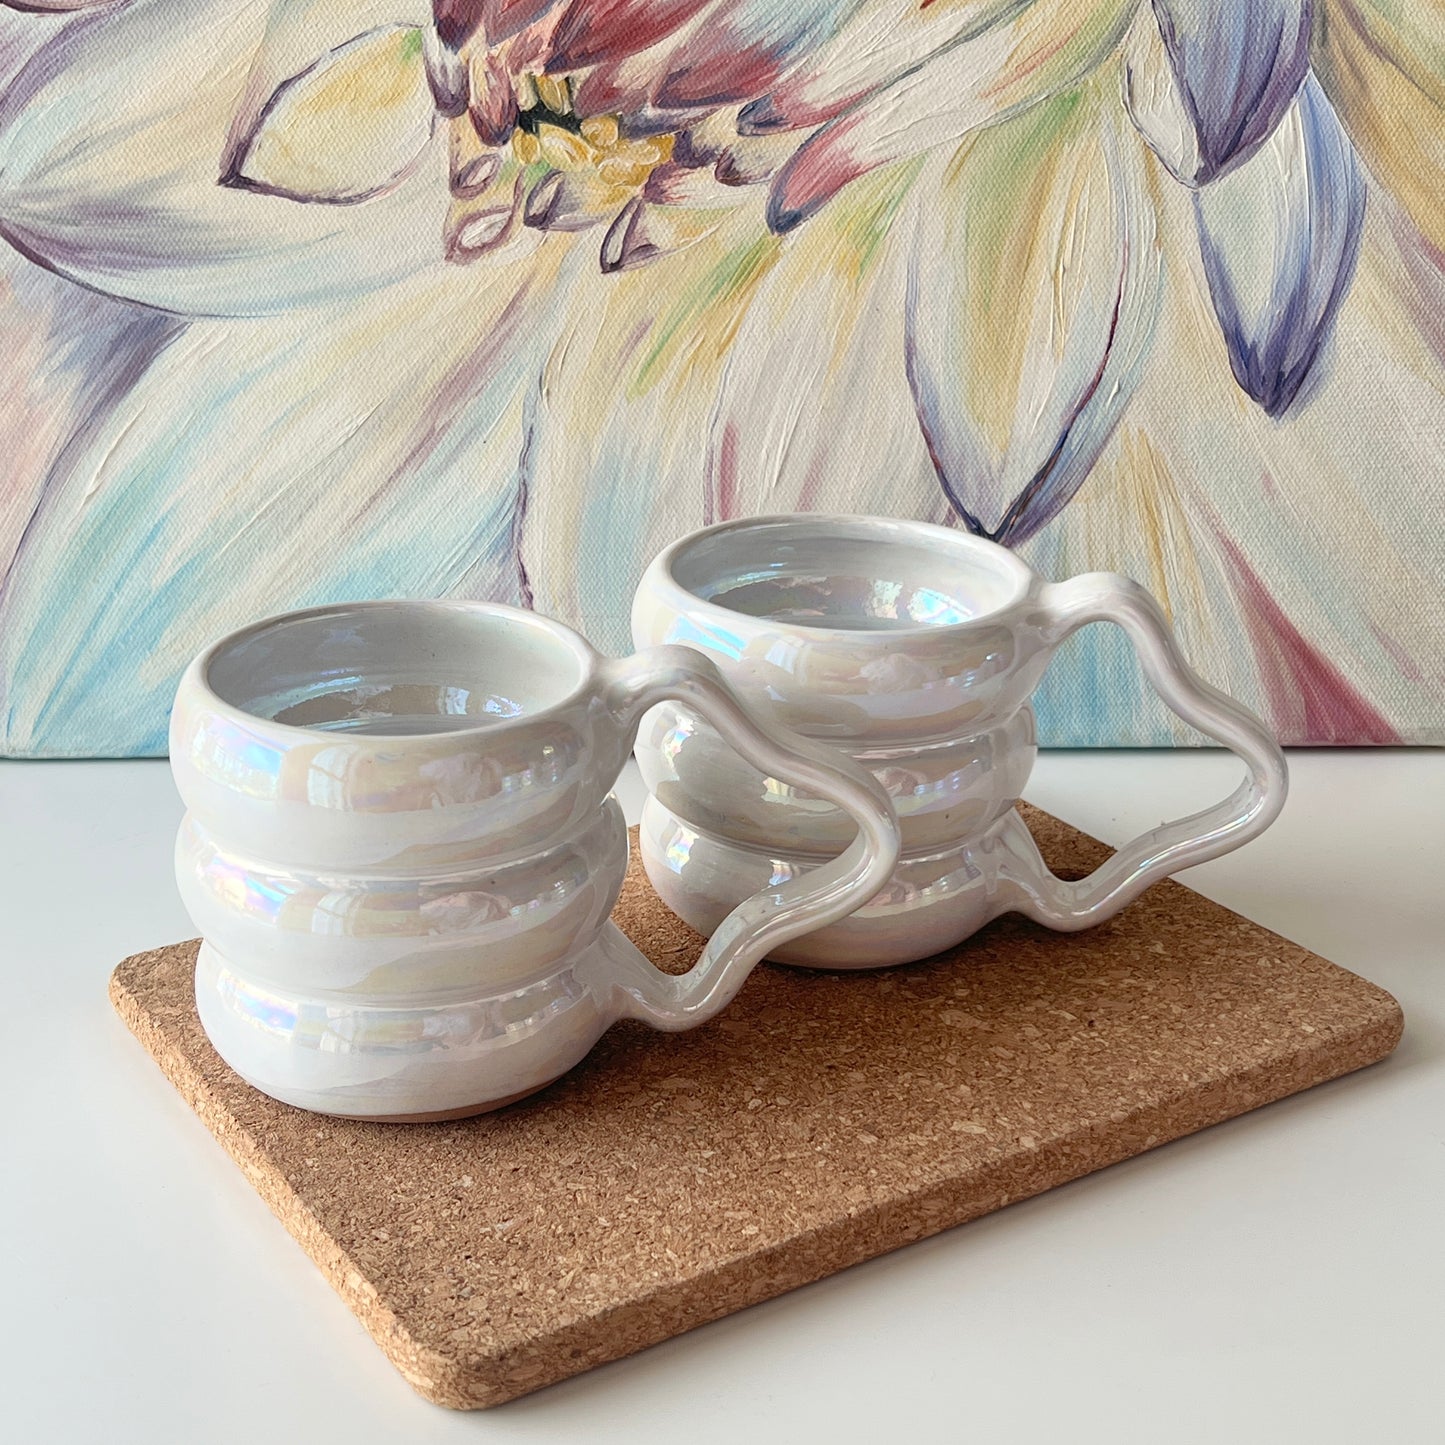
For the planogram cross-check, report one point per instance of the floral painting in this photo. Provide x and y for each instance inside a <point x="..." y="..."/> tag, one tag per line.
<point x="304" y="300"/>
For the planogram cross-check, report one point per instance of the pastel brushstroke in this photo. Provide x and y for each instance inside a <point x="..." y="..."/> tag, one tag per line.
<point x="309" y="299"/>
<point x="1307" y="693"/>
<point x="1382" y="63"/>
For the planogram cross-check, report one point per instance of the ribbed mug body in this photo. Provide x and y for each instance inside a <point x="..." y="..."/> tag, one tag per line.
<point x="398" y="925"/>
<point x="916" y="660"/>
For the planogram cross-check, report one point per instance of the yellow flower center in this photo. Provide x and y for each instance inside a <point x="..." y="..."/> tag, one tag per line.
<point x="548" y="132"/>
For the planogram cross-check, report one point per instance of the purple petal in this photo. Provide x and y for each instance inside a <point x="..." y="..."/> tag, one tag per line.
<point x="1279" y="238"/>
<point x="21" y="35"/>
<point x="1238" y="65"/>
<point x="501" y="19"/>
<point x="626" y="245"/>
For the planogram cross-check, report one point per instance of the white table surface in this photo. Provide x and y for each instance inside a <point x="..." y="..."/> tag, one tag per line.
<point x="1279" y="1278"/>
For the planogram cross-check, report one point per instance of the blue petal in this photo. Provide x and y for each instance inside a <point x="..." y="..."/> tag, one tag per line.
<point x="1238" y="65"/>
<point x="1279" y="238"/>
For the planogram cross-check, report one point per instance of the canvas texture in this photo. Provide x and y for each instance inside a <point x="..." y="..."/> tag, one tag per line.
<point x="315" y="300"/>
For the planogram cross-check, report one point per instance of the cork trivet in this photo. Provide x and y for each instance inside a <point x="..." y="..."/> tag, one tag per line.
<point x="822" y="1120"/>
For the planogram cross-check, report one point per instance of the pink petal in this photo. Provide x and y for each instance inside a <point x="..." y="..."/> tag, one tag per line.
<point x="839" y="153"/>
<point x="502" y="19"/>
<point x="604" y="30"/>
<point x="737" y="51"/>
<point x="493" y="103"/>
<point x="729" y="53"/>
<point x="446" y="74"/>
<point x="456" y="21"/>
<point x="750" y="160"/>
<point x="628" y="88"/>
<point x="1309" y="699"/>
<point x="722" y="79"/>
<point x="678" y="185"/>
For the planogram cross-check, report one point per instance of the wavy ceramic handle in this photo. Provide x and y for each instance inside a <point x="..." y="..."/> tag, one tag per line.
<point x="1247" y="812"/>
<point x="772" y="916"/>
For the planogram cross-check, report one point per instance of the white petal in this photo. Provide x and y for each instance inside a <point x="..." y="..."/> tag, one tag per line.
<point x="1297" y="562"/>
<point x="1383" y="67"/>
<point x="814" y="411"/>
<point x="349" y="127"/>
<point x="1155" y="104"/>
<point x="643" y="233"/>
<point x="617" y="457"/>
<point x="297" y="33"/>
<point x="260" y="465"/>
<point x="1032" y="305"/>
<point x="69" y="354"/>
<point x="111" y="146"/>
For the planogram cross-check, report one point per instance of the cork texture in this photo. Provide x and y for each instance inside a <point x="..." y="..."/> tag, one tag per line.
<point x="823" y="1120"/>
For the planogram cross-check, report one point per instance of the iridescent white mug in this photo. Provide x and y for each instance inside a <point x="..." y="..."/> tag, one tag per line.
<point x="915" y="650"/>
<point x="401" y="851"/>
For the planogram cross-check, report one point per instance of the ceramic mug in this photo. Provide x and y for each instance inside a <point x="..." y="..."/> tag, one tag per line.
<point x="401" y="851"/>
<point x="915" y="649"/>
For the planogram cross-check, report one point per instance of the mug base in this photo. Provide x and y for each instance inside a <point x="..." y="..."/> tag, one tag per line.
<point x="931" y="904"/>
<point x="448" y="1116"/>
<point x="401" y="1062"/>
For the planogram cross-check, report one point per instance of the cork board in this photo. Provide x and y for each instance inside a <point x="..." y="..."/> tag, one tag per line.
<point x="823" y="1120"/>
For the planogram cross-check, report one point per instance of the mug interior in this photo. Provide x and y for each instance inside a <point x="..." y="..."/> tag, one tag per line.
<point x="396" y="668"/>
<point x="850" y="573"/>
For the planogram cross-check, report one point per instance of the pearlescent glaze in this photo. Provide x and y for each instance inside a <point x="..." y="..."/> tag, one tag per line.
<point x="914" y="650"/>
<point x="401" y="850"/>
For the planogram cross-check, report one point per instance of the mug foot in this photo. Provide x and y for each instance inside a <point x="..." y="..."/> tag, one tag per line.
<point x="931" y="904"/>
<point x="361" y="1058"/>
<point x="447" y="1116"/>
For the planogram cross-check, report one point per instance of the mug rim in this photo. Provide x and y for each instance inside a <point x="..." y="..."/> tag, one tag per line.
<point x="1024" y="578"/>
<point x="197" y="674"/>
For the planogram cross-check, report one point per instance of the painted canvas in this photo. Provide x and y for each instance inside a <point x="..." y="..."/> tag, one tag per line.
<point x="303" y="300"/>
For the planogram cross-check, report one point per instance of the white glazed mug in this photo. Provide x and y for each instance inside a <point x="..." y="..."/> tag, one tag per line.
<point x="914" y="649"/>
<point x="401" y="851"/>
